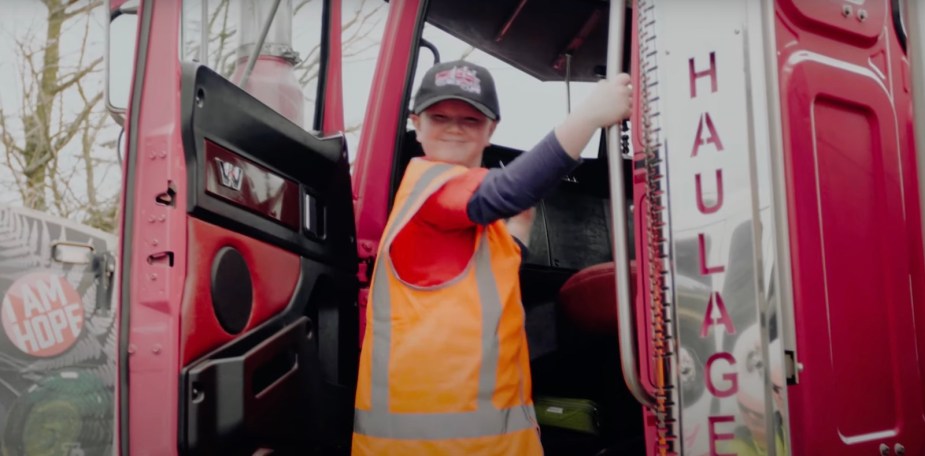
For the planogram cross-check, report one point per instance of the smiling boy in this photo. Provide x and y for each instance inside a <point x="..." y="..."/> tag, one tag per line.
<point x="444" y="367"/>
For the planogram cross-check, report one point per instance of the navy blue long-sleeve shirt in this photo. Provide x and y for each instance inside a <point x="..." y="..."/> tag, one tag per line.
<point x="521" y="184"/>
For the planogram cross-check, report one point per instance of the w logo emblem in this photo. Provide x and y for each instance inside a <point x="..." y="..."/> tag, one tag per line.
<point x="231" y="175"/>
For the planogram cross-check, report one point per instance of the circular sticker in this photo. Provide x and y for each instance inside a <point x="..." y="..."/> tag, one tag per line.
<point x="42" y="314"/>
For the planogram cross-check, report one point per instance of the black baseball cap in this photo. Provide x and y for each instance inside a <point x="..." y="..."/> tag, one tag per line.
<point x="458" y="80"/>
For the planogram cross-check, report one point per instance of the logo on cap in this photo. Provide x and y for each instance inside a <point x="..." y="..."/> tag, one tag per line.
<point x="462" y="77"/>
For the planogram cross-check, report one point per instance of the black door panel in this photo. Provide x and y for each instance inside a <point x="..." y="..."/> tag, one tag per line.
<point x="216" y="111"/>
<point x="270" y="203"/>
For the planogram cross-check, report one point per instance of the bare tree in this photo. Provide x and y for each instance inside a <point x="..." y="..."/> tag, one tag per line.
<point x="222" y="36"/>
<point x="54" y="151"/>
<point x="55" y="137"/>
<point x="355" y="41"/>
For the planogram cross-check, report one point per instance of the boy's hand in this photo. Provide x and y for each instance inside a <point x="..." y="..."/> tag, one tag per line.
<point x="610" y="101"/>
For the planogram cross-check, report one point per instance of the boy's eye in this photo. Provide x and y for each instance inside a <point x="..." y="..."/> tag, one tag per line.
<point x="438" y="118"/>
<point x="471" y="121"/>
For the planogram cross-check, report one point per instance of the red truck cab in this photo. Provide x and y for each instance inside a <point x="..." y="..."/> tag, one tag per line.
<point x="738" y="269"/>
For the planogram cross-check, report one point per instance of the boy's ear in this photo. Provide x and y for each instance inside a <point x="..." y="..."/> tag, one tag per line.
<point x="491" y="129"/>
<point x="416" y="121"/>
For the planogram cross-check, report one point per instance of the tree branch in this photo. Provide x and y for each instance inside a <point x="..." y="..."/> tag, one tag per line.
<point x="89" y="137"/>
<point x="224" y="35"/>
<point x="82" y="10"/>
<point x="9" y="142"/>
<point x="72" y="129"/>
<point x="299" y="6"/>
<point x="78" y="75"/>
<point x="57" y="195"/>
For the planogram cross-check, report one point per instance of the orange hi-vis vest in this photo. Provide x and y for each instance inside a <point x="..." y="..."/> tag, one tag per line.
<point x="444" y="370"/>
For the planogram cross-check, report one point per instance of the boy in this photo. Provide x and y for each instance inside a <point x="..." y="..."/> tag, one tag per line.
<point x="444" y="367"/>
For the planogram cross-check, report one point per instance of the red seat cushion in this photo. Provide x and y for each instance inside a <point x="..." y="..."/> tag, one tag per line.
<point x="589" y="298"/>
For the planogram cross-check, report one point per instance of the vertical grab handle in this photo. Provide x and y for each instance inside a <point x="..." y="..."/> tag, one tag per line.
<point x="625" y="320"/>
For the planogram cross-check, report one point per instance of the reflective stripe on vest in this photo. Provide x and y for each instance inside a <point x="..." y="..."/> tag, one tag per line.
<point x="486" y="420"/>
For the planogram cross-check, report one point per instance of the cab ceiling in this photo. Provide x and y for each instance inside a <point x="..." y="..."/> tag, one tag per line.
<point x="532" y="35"/>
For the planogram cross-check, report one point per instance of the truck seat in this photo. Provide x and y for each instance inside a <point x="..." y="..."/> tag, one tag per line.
<point x="588" y="299"/>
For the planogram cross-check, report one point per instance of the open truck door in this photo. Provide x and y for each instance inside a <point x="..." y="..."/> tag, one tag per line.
<point x="237" y="308"/>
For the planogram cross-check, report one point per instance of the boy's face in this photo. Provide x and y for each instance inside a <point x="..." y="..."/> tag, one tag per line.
<point x="453" y="131"/>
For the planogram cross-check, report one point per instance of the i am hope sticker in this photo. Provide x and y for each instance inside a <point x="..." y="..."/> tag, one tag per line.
<point x="42" y="314"/>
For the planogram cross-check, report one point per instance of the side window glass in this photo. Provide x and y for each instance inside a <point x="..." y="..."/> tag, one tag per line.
<point x="362" y="24"/>
<point x="283" y="74"/>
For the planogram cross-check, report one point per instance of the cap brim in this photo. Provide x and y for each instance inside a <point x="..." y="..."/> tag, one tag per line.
<point x="482" y="108"/>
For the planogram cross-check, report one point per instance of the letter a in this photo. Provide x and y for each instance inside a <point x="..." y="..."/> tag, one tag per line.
<point x="712" y="139"/>
<point x="708" y="320"/>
